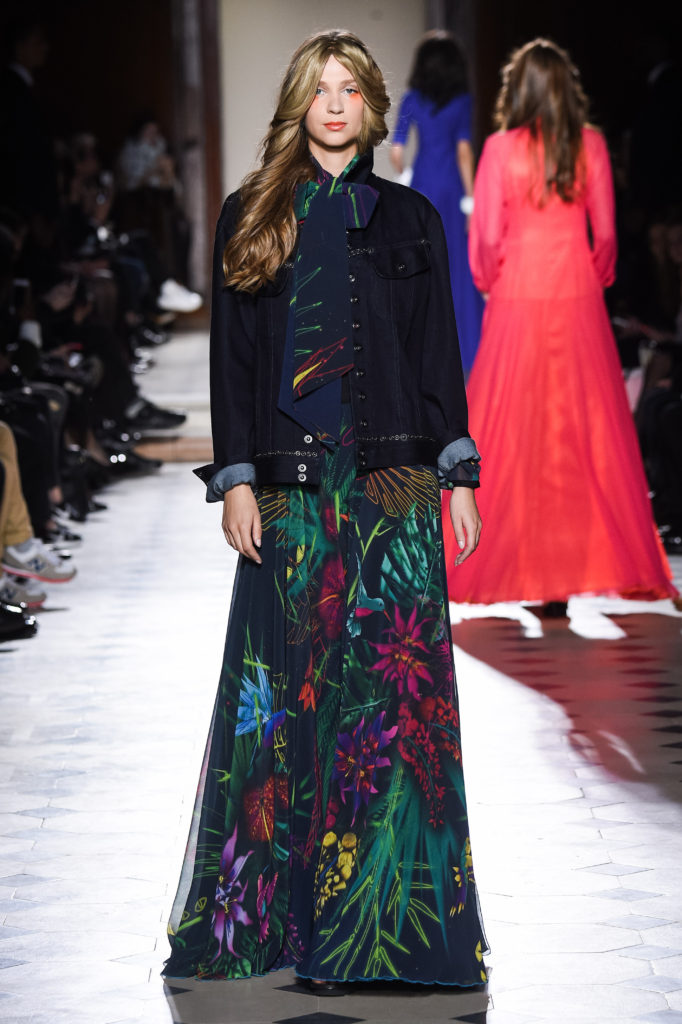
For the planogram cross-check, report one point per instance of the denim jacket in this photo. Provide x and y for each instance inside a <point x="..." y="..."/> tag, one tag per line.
<point x="406" y="387"/>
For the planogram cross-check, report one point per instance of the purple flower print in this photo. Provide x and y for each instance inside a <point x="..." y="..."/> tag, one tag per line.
<point x="358" y="757"/>
<point x="229" y="897"/>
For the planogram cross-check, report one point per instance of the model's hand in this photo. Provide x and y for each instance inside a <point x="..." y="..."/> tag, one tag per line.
<point x="241" y="521"/>
<point x="466" y="521"/>
<point x="395" y="155"/>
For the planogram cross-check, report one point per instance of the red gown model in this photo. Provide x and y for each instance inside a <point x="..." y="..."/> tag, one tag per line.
<point x="564" y="497"/>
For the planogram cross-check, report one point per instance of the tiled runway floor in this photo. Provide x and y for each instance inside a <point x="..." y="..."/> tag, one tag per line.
<point x="573" y="757"/>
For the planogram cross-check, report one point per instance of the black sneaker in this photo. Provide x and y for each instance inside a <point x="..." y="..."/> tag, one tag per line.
<point x="15" y="624"/>
<point x="150" y="419"/>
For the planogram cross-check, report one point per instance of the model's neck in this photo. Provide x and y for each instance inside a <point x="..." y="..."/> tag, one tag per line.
<point x="333" y="161"/>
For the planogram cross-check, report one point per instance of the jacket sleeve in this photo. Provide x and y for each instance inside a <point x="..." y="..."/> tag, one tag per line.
<point x="442" y="379"/>
<point x="489" y="219"/>
<point x="600" y="202"/>
<point x="232" y="359"/>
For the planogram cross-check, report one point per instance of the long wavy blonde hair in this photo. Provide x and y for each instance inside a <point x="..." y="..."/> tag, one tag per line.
<point x="541" y="90"/>
<point x="266" y="227"/>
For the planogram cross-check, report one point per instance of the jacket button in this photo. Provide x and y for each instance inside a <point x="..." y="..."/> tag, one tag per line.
<point x="401" y="267"/>
<point x="352" y="278"/>
<point x="302" y="477"/>
<point x="362" y="395"/>
<point x="363" y="462"/>
<point x="362" y="453"/>
<point x="354" y="299"/>
<point x="356" y="325"/>
<point x="357" y="348"/>
<point x="302" y="468"/>
<point x="363" y="423"/>
<point x="308" y="438"/>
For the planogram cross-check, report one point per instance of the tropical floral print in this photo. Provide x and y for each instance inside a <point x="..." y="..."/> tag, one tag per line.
<point x="330" y="830"/>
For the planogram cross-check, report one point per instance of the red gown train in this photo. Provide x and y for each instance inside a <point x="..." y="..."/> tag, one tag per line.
<point x="564" y="497"/>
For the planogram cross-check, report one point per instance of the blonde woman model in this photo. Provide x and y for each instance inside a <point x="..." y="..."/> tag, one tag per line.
<point x="330" y="832"/>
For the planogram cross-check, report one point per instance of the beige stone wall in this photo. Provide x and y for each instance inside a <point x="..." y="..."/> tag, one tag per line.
<point x="257" y="40"/>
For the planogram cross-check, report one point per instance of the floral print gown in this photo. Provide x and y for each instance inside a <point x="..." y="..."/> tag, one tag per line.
<point x="330" y="828"/>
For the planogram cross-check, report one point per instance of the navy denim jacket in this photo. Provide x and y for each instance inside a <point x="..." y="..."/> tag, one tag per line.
<point x="406" y="388"/>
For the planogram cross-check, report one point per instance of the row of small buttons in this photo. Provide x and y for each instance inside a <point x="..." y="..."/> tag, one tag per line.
<point x="303" y="469"/>
<point x="359" y="372"/>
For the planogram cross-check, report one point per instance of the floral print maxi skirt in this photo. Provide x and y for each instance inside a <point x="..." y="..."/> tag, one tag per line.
<point x="330" y="828"/>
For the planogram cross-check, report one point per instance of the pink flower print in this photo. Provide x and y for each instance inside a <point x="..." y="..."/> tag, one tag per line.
<point x="402" y="659"/>
<point x="331" y="604"/>
<point x="263" y="901"/>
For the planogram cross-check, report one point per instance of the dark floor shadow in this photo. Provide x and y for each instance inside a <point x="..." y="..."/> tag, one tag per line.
<point x="218" y="1002"/>
<point x="623" y="698"/>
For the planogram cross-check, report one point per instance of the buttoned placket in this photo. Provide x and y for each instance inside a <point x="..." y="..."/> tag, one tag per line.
<point x="359" y="371"/>
<point x="303" y="466"/>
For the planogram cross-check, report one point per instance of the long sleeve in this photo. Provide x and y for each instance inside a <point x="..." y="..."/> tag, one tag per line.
<point x="442" y="379"/>
<point x="600" y="203"/>
<point x="488" y="221"/>
<point x="232" y="354"/>
<point x="405" y="118"/>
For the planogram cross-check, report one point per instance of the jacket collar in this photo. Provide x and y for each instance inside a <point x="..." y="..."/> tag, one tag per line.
<point x="358" y="170"/>
<point x="362" y="168"/>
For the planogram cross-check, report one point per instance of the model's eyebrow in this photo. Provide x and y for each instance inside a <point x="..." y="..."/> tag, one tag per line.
<point x="345" y="82"/>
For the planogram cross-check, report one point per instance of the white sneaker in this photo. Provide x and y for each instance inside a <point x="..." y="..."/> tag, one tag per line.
<point x="586" y="619"/>
<point x="175" y="298"/>
<point x="37" y="562"/>
<point x="25" y="592"/>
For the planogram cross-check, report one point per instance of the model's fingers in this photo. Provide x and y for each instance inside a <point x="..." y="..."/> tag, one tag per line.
<point x="256" y="530"/>
<point x="468" y="525"/>
<point x="460" y="533"/>
<point x="246" y="544"/>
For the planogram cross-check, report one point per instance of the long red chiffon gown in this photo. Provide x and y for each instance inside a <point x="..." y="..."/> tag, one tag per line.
<point x="564" y="497"/>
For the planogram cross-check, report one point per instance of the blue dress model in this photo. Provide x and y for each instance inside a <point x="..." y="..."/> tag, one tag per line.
<point x="436" y="175"/>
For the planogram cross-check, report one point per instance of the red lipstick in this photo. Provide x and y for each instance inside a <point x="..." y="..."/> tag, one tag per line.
<point x="335" y="126"/>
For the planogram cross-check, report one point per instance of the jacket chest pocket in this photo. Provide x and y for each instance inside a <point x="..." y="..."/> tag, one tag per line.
<point x="401" y="272"/>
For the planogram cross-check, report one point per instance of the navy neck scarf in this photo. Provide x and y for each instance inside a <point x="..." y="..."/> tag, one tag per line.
<point x="318" y="348"/>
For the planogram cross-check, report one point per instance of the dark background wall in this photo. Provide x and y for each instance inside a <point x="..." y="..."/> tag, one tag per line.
<point x="108" y="61"/>
<point x="612" y="44"/>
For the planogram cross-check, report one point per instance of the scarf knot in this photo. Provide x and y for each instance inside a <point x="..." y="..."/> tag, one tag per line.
<point x="318" y="349"/>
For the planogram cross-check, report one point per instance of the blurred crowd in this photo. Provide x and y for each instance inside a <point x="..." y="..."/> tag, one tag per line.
<point x="93" y="273"/>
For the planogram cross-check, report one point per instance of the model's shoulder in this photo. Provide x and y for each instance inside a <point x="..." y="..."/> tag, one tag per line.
<point x="462" y="99"/>
<point x="410" y="96"/>
<point x="231" y="205"/>
<point x="593" y="138"/>
<point x="393" y="191"/>
<point x="504" y="137"/>
<point x="227" y="220"/>
<point x="406" y="208"/>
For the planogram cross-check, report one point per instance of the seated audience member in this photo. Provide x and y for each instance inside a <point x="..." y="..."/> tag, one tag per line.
<point x="24" y="558"/>
<point x="151" y="201"/>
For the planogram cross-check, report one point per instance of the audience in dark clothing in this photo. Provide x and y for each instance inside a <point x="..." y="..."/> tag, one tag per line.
<point x="82" y="299"/>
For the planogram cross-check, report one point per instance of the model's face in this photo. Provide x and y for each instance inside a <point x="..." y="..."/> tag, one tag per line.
<point x="334" y="118"/>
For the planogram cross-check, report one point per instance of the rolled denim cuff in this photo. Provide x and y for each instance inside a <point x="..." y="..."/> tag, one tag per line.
<point x="458" y="464"/>
<point x="227" y="478"/>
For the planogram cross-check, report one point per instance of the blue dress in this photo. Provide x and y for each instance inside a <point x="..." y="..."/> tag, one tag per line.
<point x="436" y="176"/>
